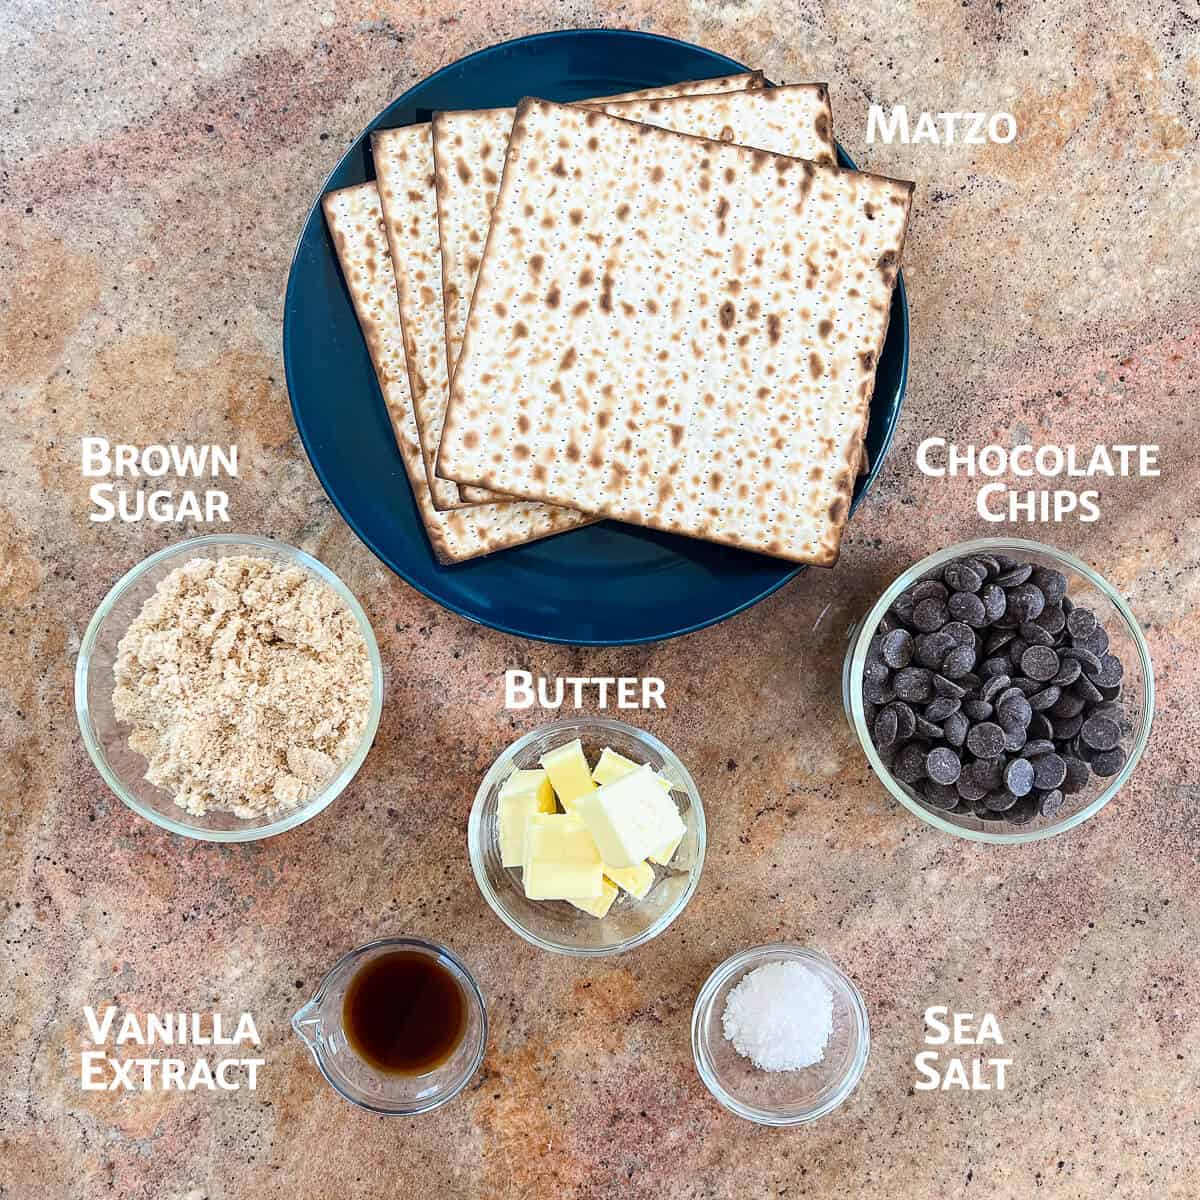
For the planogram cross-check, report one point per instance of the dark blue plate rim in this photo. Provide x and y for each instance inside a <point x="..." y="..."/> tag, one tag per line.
<point x="318" y="470"/>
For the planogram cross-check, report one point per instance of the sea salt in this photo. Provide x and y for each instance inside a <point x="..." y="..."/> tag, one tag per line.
<point x="780" y="1016"/>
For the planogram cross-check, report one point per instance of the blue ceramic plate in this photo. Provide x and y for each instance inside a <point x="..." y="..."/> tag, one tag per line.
<point x="608" y="584"/>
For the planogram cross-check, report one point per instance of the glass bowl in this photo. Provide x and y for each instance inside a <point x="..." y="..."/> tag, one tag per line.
<point x="106" y="738"/>
<point x="319" y="1024"/>
<point x="780" y="1097"/>
<point x="1084" y="587"/>
<point x="554" y="924"/>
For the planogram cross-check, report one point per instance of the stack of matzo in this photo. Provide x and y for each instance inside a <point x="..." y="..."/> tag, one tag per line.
<point x="672" y="320"/>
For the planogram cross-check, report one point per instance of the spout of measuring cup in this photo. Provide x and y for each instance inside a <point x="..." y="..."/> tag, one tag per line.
<point x="307" y="1024"/>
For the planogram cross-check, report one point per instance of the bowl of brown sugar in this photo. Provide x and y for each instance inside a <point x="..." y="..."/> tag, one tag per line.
<point x="228" y="688"/>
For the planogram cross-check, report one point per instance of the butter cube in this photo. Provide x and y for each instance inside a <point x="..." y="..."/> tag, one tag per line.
<point x="598" y="906"/>
<point x="568" y="771"/>
<point x="561" y="860"/>
<point x="631" y="818"/>
<point x="522" y="793"/>
<point x="612" y="766"/>
<point x="637" y="881"/>
<point x="663" y="856"/>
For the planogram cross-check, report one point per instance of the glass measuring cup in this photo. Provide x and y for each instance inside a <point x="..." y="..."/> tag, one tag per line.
<point x="319" y="1024"/>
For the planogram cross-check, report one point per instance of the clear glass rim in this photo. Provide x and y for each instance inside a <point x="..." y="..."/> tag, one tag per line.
<point x="471" y="990"/>
<point x="862" y="638"/>
<point x="741" y="961"/>
<point x="475" y="838"/>
<point x="294" y="817"/>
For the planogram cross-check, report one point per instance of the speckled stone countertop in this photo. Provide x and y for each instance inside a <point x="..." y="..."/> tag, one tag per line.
<point x="154" y="171"/>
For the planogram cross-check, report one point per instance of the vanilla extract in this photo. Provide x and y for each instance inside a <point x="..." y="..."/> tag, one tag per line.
<point x="404" y="1013"/>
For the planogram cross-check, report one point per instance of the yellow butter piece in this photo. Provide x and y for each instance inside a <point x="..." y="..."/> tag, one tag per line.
<point x="612" y="766"/>
<point x="522" y="793"/>
<point x="561" y="860"/>
<point x="568" y="771"/>
<point x="598" y="906"/>
<point x="663" y="857"/>
<point x="631" y="818"/>
<point x="637" y="881"/>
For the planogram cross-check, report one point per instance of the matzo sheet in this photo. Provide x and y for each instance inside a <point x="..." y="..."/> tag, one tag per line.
<point x="676" y="332"/>
<point x="355" y="219"/>
<point x="469" y="150"/>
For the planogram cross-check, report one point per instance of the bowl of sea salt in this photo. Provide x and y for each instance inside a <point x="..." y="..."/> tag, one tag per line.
<point x="780" y="1035"/>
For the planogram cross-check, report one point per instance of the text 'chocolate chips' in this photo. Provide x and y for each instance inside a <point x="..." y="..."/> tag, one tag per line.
<point x="990" y="694"/>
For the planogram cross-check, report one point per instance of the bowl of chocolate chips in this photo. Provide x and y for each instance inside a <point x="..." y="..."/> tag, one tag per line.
<point x="1001" y="690"/>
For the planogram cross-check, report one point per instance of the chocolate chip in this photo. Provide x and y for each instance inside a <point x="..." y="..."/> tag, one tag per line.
<point x="996" y="665"/>
<point x="914" y="684"/>
<point x="988" y="772"/>
<point x="897" y="649"/>
<point x="967" y="607"/>
<point x="886" y="727"/>
<point x="1038" y="747"/>
<point x="1087" y="660"/>
<point x="968" y="788"/>
<point x="1067" y="705"/>
<point x="942" y="765"/>
<point x="1080" y="622"/>
<point x="1066" y="728"/>
<point x="909" y="765"/>
<point x="1077" y="775"/>
<point x="1035" y="635"/>
<point x="986" y="740"/>
<point x="1025" y="601"/>
<point x="1110" y="673"/>
<point x="878" y="692"/>
<point x="997" y="640"/>
<point x="1023" y="811"/>
<point x="1053" y="584"/>
<point x="947" y="687"/>
<point x="930" y="614"/>
<point x="1087" y="691"/>
<point x="941" y="707"/>
<point x="994" y="686"/>
<point x="995" y="602"/>
<point x="1096" y="641"/>
<point x="1040" y="662"/>
<point x="1108" y="762"/>
<point x="906" y="720"/>
<point x="959" y="662"/>
<point x="963" y="576"/>
<point x="954" y="729"/>
<point x="1069" y="670"/>
<point x="1040" y="726"/>
<point x="933" y="647"/>
<point x="1014" y="574"/>
<point x="1044" y="699"/>
<point x="1014" y="737"/>
<point x="977" y="710"/>
<point x="940" y="795"/>
<point x="1100" y="733"/>
<point x="1052" y="619"/>
<point x="1049" y="770"/>
<point x="927" y="729"/>
<point x="930" y="589"/>
<point x="1015" y="710"/>
<point x="1051" y="802"/>
<point x="961" y="632"/>
<point x="1000" y="801"/>
<point x="1018" y="777"/>
<point x="876" y="670"/>
<point x="902" y="607"/>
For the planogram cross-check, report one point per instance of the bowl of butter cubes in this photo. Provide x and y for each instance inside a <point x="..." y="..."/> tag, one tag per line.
<point x="587" y="837"/>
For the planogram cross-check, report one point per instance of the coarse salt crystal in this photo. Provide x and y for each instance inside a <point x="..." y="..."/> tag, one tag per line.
<point x="780" y="1016"/>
